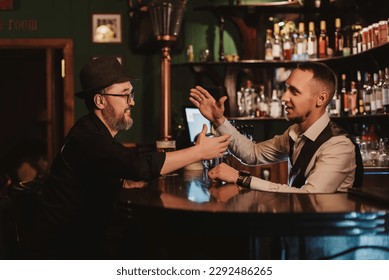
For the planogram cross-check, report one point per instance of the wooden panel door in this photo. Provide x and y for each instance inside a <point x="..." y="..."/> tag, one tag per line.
<point x="36" y="102"/>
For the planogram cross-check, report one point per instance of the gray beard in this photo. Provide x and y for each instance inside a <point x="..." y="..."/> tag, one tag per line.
<point x="117" y="124"/>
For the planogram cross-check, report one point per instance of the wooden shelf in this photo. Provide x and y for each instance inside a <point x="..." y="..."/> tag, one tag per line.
<point x="286" y="63"/>
<point x="284" y="7"/>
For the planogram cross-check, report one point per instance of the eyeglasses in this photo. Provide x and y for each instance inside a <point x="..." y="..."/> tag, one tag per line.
<point x="128" y="95"/>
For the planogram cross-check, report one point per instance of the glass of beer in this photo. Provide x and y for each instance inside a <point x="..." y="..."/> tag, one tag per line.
<point x="166" y="145"/>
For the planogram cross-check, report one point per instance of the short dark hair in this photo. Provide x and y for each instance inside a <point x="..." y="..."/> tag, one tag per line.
<point x="321" y="73"/>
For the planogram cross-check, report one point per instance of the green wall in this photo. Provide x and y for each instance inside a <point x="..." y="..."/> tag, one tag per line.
<point x="73" y="19"/>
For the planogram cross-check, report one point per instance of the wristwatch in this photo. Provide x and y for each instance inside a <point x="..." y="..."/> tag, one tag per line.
<point x="244" y="179"/>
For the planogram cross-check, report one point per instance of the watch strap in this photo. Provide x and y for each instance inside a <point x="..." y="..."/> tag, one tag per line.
<point x="244" y="179"/>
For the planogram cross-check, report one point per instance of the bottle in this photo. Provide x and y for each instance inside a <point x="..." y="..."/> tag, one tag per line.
<point x="287" y="44"/>
<point x="268" y="45"/>
<point x="301" y="43"/>
<point x="275" y="105"/>
<point x="385" y="92"/>
<point x="347" y="41"/>
<point x="312" y="41"/>
<point x="353" y="94"/>
<point x="264" y="102"/>
<point x="383" y="156"/>
<point x="334" y="105"/>
<point x="240" y="101"/>
<point x="378" y="91"/>
<point x="370" y="135"/>
<point x="367" y="90"/>
<point x="365" y="38"/>
<point x="190" y="54"/>
<point x="360" y="100"/>
<point x="345" y="98"/>
<point x="323" y="40"/>
<point x="383" y="32"/>
<point x="339" y="38"/>
<point x="294" y="36"/>
<point x="354" y="49"/>
<point x="375" y="39"/>
<point x="277" y="48"/>
<point x="248" y="98"/>
<point x="258" y="105"/>
<point x="373" y="94"/>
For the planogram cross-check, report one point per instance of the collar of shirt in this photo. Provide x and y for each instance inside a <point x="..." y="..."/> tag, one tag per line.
<point x="312" y="132"/>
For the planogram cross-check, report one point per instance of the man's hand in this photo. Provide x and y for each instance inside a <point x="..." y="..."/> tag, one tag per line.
<point x="209" y="108"/>
<point x="214" y="147"/>
<point x="224" y="172"/>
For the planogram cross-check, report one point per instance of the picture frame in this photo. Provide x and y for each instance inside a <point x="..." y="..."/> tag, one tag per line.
<point x="106" y="28"/>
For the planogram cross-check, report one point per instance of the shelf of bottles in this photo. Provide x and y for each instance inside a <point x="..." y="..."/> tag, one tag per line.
<point x="290" y="42"/>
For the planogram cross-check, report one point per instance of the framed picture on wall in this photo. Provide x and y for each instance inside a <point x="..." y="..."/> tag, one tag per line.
<point x="107" y="28"/>
<point x="6" y="4"/>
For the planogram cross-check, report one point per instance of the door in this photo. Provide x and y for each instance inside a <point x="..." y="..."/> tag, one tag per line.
<point x="36" y="104"/>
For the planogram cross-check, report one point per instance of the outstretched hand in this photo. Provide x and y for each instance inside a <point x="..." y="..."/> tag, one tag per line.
<point x="211" y="147"/>
<point x="210" y="108"/>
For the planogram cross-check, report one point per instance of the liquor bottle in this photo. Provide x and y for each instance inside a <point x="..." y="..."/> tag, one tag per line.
<point x="312" y="41"/>
<point x="357" y="38"/>
<point x="275" y="105"/>
<point x="367" y="90"/>
<point x="268" y="45"/>
<point x="277" y="48"/>
<point x="373" y="95"/>
<point x="370" y="134"/>
<point x="378" y="92"/>
<point x="287" y="44"/>
<point x="353" y="96"/>
<point x="385" y="92"/>
<point x="365" y="38"/>
<point x="354" y="49"/>
<point x="344" y="97"/>
<point x="347" y="41"/>
<point x="264" y="102"/>
<point x="360" y="99"/>
<point x="294" y="35"/>
<point x="375" y="35"/>
<point x="334" y="105"/>
<point x="240" y="101"/>
<point x="301" y="42"/>
<point x="249" y="100"/>
<point x="258" y="104"/>
<point x="323" y="40"/>
<point x="383" y="32"/>
<point x="338" y="38"/>
<point x="190" y="54"/>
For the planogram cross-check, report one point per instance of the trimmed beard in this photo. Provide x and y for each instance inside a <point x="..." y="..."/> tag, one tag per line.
<point x="117" y="124"/>
<point x="294" y="120"/>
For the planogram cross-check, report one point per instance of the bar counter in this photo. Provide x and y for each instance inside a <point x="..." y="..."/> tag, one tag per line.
<point x="187" y="216"/>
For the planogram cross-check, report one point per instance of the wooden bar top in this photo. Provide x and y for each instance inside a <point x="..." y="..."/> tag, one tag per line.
<point x="190" y="199"/>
